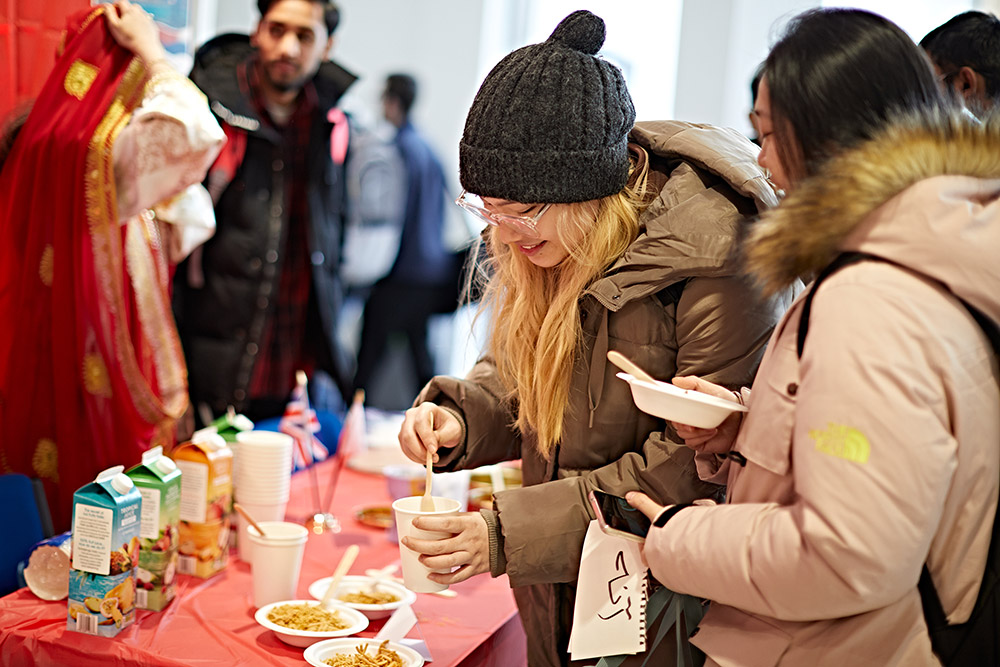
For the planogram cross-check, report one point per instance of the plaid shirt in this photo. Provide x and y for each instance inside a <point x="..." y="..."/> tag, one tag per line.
<point x="283" y="346"/>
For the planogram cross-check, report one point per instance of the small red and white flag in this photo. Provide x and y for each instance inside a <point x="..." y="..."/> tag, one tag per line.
<point x="352" y="433"/>
<point x="300" y="422"/>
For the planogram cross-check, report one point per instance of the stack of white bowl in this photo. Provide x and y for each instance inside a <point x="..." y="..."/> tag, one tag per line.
<point x="262" y="475"/>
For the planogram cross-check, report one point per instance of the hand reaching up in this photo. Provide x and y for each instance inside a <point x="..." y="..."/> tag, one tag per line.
<point x="134" y="29"/>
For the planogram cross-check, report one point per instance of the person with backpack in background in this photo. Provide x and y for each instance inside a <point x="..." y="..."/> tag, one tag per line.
<point x="424" y="276"/>
<point x="871" y="449"/>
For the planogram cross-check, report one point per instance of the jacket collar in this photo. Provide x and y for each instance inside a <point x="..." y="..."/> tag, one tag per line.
<point x="216" y="69"/>
<point x="833" y="210"/>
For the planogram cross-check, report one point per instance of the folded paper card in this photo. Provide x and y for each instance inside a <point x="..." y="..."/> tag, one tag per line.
<point x="609" y="617"/>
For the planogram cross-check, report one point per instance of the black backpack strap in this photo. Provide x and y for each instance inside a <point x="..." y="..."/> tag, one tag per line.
<point x="842" y="260"/>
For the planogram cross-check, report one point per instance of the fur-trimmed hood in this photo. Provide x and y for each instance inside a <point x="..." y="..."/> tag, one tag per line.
<point x="924" y="194"/>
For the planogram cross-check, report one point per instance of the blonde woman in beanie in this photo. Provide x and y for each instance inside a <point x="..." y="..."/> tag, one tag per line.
<point x="602" y="236"/>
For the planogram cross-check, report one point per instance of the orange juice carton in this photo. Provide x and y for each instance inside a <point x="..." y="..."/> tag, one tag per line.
<point x="206" y="465"/>
<point x="106" y="517"/>
<point x="159" y="482"/>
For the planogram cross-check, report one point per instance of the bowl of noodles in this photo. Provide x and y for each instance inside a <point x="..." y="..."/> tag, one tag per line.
<point x="375" y="598"/>
<point x="358" y="652"/>
<point x="305" y="622"/>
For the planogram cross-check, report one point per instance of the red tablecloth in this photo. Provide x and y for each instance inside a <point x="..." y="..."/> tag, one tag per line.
<point x="211" y="622"/>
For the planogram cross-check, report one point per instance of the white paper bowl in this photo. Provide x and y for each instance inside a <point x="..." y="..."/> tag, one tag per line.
<point x="355" y="619"/>
<point x="354" y="583"/>
<point x="318" y="653"/>
<point x="683" y="406"/>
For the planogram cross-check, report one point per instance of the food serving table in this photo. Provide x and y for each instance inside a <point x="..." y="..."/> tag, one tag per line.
<point x="211" y="621"/>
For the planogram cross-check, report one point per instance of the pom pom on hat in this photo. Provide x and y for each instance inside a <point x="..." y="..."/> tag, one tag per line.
<point x="582" y="31"/>
<point x="550" y="122"/>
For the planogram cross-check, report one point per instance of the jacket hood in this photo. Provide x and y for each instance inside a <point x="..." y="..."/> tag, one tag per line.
<point x="710" y="186"/>
<point x="215" y="69"/>
<point x="923" y="194"/>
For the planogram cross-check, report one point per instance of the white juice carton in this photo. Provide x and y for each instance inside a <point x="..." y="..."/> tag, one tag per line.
<point x="159" y="482"/>
<point x="106" y="517"/>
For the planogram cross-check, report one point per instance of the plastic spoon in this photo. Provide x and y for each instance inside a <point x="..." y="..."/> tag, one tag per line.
<point x="246" y="515"/>
<point x="346" y="561"/>
<point x="624" y="363"/>
<point x="378" y="576"/>
<point x="427" y="502"/>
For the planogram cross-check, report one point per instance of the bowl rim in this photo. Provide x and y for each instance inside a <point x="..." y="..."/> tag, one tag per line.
<point x="352" y="642"/>
<point x="700" y="397"/>
<point x="360" y="621"/>
<point x="406" y="596"/>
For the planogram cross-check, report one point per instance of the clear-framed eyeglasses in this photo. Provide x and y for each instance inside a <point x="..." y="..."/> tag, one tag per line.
<point x="522" y="224"/>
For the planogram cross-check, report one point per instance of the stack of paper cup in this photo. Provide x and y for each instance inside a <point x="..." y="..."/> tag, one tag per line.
<point x="262" y="471"/>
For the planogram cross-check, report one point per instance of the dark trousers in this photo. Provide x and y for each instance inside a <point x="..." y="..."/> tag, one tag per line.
<point x="395" y="307"/>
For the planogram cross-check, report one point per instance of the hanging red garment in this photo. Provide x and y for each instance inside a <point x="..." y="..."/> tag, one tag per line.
<point x="91" y="370"/>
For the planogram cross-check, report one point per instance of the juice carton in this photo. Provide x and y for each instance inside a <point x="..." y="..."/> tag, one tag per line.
<point x="230" y="424"/>
<point x="206" y="465"/>
<point x="159" y="482"/>
<point x="106" y="515"/>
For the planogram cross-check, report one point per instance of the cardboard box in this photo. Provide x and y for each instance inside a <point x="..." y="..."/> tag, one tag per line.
<point x="159" y="482"/>
<point x="106" y="517"/>
<point x="206" y="465"/>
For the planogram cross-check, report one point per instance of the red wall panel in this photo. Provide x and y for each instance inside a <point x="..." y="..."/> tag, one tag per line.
<point x="29" y="33"/>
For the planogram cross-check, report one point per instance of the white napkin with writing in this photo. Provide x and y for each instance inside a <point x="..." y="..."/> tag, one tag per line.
<point x="609" y="617"/>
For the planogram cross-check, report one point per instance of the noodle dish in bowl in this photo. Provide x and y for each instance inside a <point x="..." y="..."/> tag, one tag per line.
<point x="305" y="622"/>
<point x="375" y="598"/>
<point x="347" y="652"/>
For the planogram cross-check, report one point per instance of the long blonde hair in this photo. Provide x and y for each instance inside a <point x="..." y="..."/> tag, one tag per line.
<point x="535" y="312"/>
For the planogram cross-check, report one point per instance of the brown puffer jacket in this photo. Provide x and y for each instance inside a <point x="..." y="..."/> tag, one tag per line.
<point x="709" y="188"/>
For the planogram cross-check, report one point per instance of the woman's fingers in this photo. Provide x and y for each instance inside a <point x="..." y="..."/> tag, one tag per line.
<point x="643" y="503"/>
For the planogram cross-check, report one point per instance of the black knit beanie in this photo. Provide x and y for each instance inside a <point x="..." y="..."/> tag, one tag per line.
<point x="550" y="122"/>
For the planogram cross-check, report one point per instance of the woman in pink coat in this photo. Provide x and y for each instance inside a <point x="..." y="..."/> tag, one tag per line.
<point x="875" y="452"/>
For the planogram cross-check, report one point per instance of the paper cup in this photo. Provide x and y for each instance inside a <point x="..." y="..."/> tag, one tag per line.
<point x="261" y="512"/>
<point x="276" y="560"/>
<point x="406" y="510"/>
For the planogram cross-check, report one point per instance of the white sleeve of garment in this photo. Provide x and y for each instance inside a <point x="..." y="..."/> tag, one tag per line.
<point x="856" y="534"/>
<point x="169" y="143"/>
<point x="191" y="220"/>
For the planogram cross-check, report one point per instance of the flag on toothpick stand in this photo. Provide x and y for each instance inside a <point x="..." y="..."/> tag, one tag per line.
<point x="300" y="422"/>
<point x="351" y="441"/>
<point x="352" y="433"/>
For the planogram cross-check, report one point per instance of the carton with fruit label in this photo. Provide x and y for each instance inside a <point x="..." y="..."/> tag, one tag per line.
<point x="106" y="517"/>
<point x="206" y="465"/>
<point x="159" y="482"/>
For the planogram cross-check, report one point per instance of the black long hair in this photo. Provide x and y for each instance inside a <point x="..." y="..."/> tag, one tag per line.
<point x="836" y="77"/>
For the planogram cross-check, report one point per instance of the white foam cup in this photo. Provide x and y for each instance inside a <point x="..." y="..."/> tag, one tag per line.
<point x="276" y="560"/>
<point x="259" y="512"/>
<point x="406" y="510"/>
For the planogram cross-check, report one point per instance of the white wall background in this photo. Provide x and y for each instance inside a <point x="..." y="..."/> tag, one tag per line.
<point x="690" y="60"/>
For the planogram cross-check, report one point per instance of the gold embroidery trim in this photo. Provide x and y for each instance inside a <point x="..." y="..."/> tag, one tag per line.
<point x="79" y="78"/>
<point x="45" y="460"/>
<point x="46" y="265"/>
<point x="102" y="212"/>
<point x="95" y="376"/>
